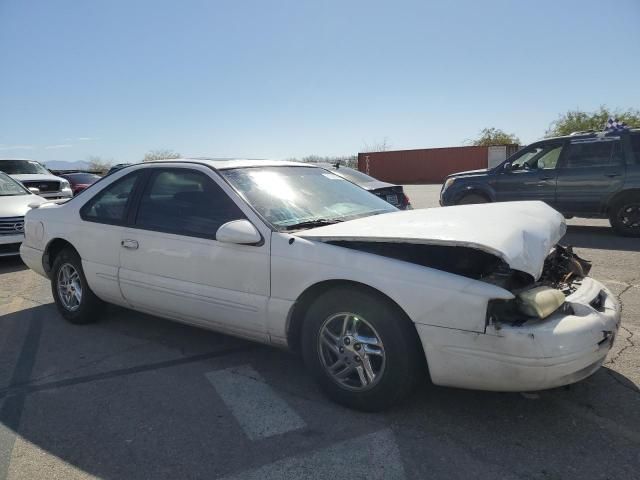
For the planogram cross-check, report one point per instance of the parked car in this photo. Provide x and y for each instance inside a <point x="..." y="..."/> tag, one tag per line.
<point x="291" y="255"/>
<point x="33" y="175"/>
<point x="14" y="203"/>
<point x="117" y="167"/>
<point x="80" y="180"/>
<point x="394" y="194"/>
<point x="594" y="175"/>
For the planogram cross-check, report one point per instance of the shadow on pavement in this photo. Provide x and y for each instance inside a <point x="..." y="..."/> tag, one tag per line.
<point x="134" y="402"/>
<point x="605" y="238"/>
<point x="11" y="265"/>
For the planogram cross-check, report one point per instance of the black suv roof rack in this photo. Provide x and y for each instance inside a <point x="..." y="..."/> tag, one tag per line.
<point x="582" y="132"/>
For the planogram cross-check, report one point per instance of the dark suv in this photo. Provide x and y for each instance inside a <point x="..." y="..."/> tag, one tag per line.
<point x="587" y="174"/>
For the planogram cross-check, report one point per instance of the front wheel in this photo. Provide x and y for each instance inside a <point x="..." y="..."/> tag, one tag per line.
<point x="625" y="216"/>
<point x="363" y="350"/>
<point x="74" y="299"/>
<point x="472" y="198"/>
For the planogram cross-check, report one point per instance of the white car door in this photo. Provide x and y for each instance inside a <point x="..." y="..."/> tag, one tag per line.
<point x="98" y="233"/>
<point x="172" y="265"/>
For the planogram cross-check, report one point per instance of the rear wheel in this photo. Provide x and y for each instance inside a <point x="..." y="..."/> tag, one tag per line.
<point x="471" y="198"/>
<point x="624" y="215"/>
<point x="363" y="351"/>
<point x="74" y="299"/>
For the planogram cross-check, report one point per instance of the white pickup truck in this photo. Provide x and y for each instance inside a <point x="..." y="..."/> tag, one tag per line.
<point x="34" y="176"/>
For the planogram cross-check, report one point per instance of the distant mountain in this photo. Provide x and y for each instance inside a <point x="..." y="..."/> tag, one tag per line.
<point x="62" y="165"/>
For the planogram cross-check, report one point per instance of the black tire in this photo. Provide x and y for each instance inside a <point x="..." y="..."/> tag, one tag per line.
<point x="471" y="198"/>
<point x="624" y="215"/>
<point x="88" y="308"/>
<point x="403" y="357"/>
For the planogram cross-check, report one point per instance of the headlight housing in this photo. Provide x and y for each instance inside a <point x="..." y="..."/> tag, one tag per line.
<point x="535" y="303"/>
<point x="448" y="182"/>
<point x="540" y="302"/>
<point x="64" y="185"/>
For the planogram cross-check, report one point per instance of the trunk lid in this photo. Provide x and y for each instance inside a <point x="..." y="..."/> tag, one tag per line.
<point x="520" y="233"/>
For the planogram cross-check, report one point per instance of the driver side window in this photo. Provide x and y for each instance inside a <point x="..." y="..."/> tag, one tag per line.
<point x="523" y="161"/>
<point x="185" y="202"/>
<point x="540" y="157"/>
<point x="549" y="159"/>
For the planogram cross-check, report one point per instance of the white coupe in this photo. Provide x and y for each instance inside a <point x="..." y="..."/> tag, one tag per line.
<point x="288" y="254"/>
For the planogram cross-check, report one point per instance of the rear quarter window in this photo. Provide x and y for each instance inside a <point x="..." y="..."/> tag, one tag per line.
<point x="110" y="205"/>
<point x="592" y="153"/>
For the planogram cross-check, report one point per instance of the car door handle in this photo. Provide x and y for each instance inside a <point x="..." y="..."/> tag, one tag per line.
<point x="130" y="244"/>
<point x="547" y="178"/>
<point x="611" y="175"/>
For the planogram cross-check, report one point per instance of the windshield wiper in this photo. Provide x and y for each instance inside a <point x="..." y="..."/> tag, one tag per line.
<point x="317" y="222"/>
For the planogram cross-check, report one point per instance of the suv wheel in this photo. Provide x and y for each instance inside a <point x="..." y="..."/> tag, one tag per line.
<point x="74" y="299"/>
<point x="362" y="350"/>
<point x="470" y="198"/>
<point x="624" y="215"/>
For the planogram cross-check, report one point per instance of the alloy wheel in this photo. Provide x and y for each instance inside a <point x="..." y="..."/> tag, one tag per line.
<point x="351" y="351"/>
<point x="69" y="287"/>
<point x="629" y="216"/>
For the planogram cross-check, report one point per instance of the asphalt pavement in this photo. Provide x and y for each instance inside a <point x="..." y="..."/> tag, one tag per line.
<point x="134" y="396"/>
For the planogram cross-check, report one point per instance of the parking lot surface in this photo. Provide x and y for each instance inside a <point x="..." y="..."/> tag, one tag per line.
<point x="134" y="396"/>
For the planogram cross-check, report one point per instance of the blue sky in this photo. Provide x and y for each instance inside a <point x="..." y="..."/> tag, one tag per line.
<point x="279" y="79"/>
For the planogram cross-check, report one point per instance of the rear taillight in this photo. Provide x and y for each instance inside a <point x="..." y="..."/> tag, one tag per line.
<point x="407" y="202"/>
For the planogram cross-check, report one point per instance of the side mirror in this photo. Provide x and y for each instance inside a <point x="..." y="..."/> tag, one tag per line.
<point x="507" y="167"/>
<point x="241" y="232"/>
<point x="34" y="190"/>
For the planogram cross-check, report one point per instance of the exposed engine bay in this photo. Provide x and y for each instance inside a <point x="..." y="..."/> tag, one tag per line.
<point x="468" y="262"/>
<point x="563" y="269"/>
<point x="562" y="274"/>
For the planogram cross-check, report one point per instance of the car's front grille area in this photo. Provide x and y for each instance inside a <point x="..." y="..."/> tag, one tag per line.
<point x="43" y="186"/>
<point x="11" y="225"/>
<point x="9" y="249"/>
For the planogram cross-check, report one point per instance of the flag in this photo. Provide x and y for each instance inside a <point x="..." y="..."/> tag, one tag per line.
<point x="613" y="125"/>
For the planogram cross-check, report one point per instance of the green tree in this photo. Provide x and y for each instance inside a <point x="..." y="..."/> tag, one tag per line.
<point x="495" y="136"/>
<point x="154" y="155"/>
<point x="578" y="120"/>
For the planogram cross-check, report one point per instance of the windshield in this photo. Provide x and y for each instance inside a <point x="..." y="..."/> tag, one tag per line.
<point x="19" y="167"/>
<point x="8" y="186"/>
<point x="353" y="175"/>
<point x="304" y="197"/>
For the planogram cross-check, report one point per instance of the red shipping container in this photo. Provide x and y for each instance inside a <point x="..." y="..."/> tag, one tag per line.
<point x="427" y="165"/>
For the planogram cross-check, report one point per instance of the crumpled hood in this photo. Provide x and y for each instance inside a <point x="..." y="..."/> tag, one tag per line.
<point x="520" y="233"/>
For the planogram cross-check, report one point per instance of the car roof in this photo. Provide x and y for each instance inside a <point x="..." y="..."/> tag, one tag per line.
<point x="20" y="159"/>
<point x="225" y="164"/>
<point x="589" y="134"/>
<point x="332" y="166"/>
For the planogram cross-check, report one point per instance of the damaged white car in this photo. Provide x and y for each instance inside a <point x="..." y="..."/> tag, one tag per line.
<point x="478" y="296"/>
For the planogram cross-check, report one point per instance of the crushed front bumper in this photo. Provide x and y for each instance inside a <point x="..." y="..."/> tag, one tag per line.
<point x="539" y="354"/>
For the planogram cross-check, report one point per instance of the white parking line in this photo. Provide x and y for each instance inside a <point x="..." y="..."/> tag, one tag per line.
<point x="372" y="456"/>
<point x="259" y="410"/>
